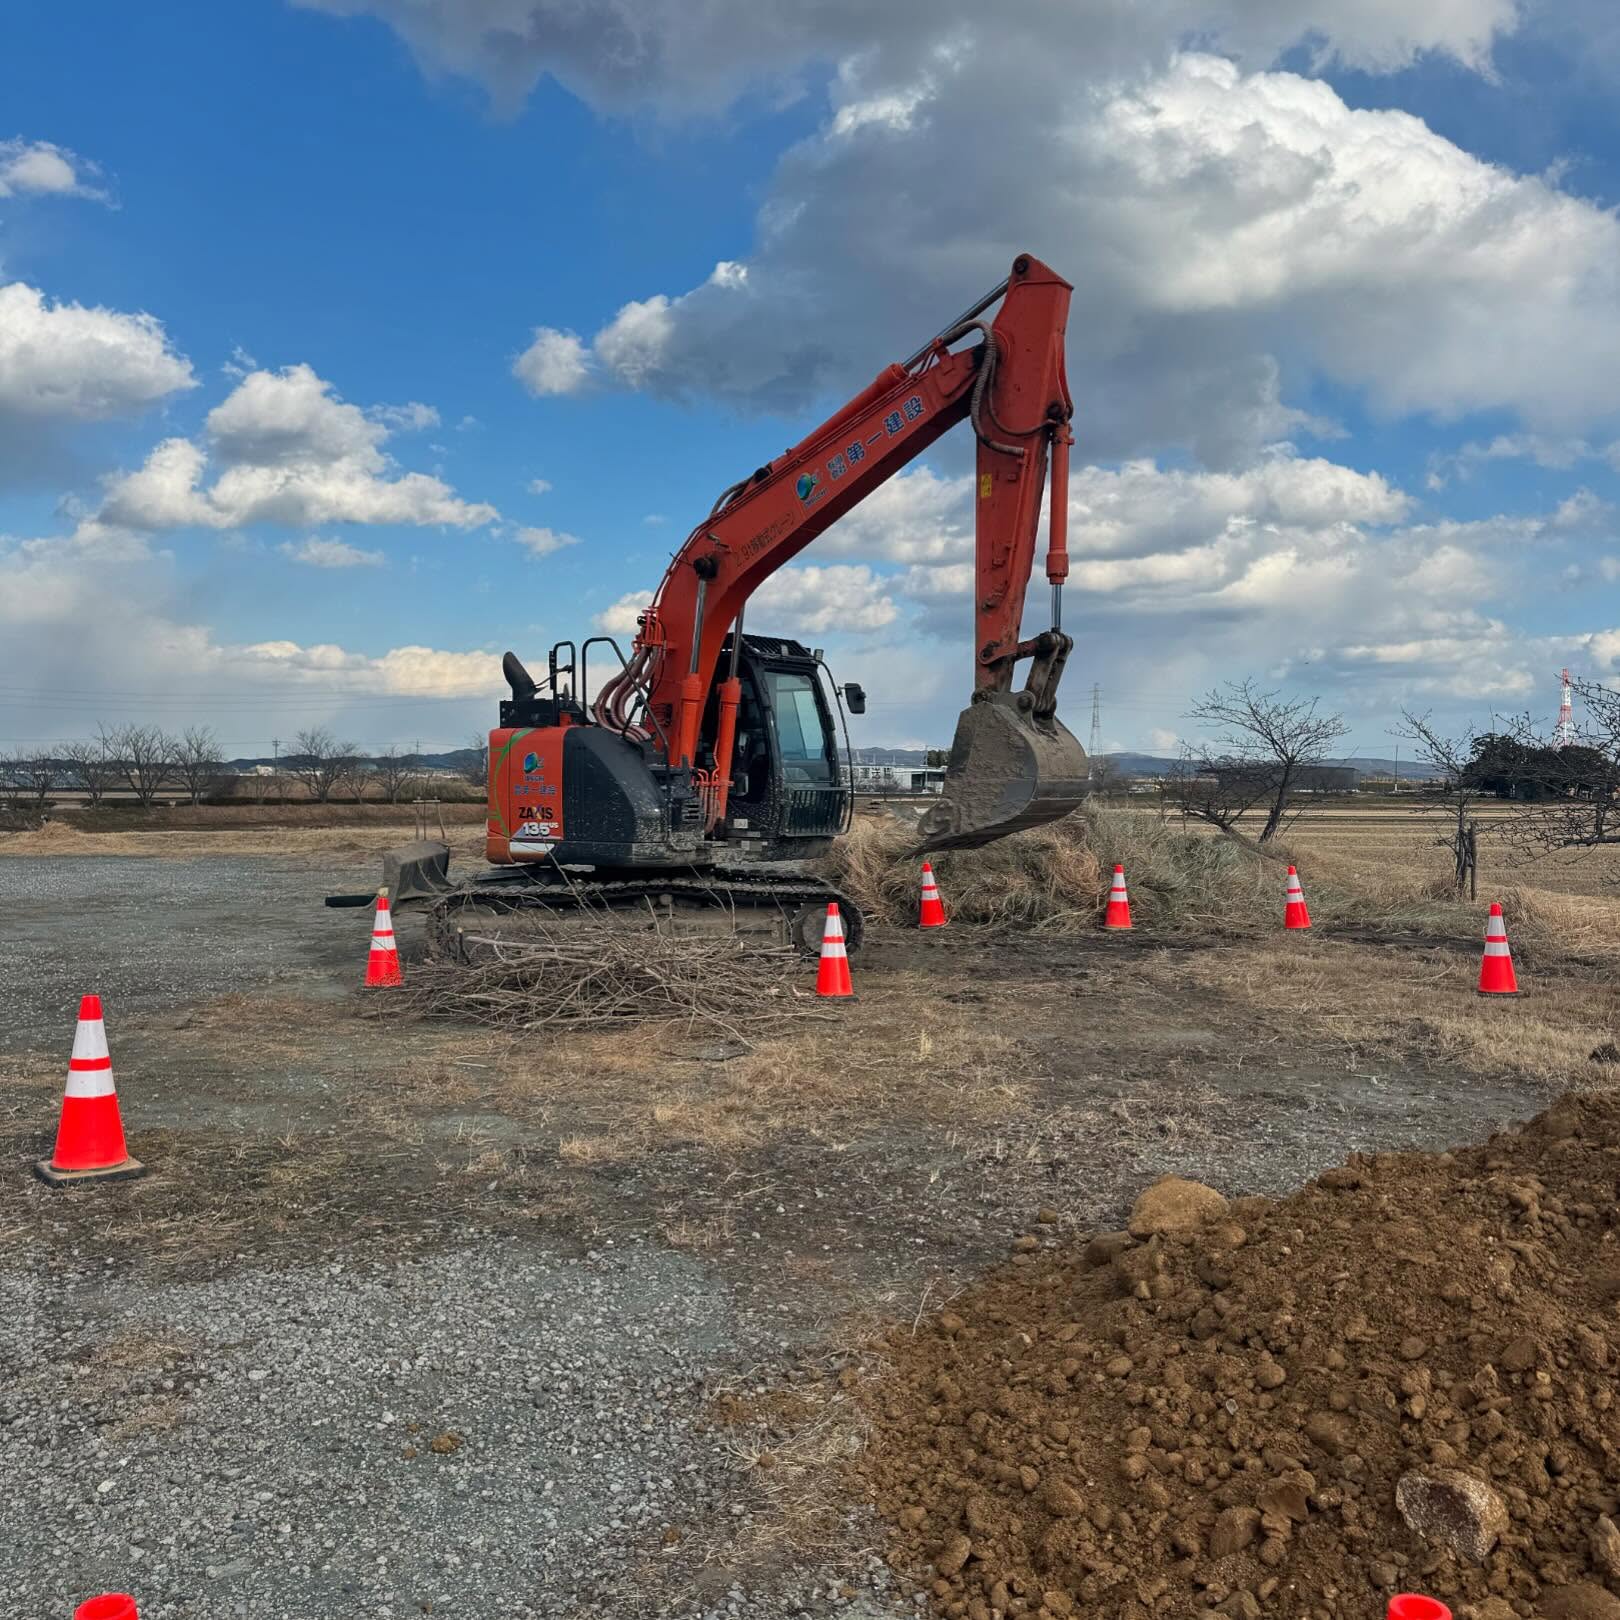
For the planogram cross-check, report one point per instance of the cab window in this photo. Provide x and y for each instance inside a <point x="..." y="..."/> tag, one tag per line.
<point x="799" y="734"/>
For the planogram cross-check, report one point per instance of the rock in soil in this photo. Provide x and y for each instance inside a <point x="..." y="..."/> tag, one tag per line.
<point x="1172" y="1204"/>
<point x="1444" y="1420"/>
<point x="1452" y="1509"/>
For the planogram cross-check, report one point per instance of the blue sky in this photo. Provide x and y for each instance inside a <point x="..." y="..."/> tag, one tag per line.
<point x="280" y="444"/>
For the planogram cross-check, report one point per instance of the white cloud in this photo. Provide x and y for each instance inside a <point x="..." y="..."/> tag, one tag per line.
<point x="620" y="618"/>
<point x="816" y="601"/>
<point x="275" y="417"/>
<point x="318" y="553"/>
<point x="401" y="671"/>
<point x="671" y="57"/>
<point x="539" y="486"/>
<point x="72" y="363"/>
<point x="634" y="345"/>
<point x="793" y="602"/>
<point x="1231" y="235"/>
<point x="413" y="417"/>
<point x="554" y="363"/>
<point x="39" y="168"/>
<point x="542" y="542"/>
<point x="100" y="623"/>
<point x="290" y="452"/>
<point x="917" y="517"/>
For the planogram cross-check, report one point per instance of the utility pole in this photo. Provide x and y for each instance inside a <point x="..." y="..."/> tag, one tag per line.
<point x="1096" y="724"/>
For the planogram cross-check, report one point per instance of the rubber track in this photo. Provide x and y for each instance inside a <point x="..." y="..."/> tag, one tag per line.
<point x="716" y="889"/>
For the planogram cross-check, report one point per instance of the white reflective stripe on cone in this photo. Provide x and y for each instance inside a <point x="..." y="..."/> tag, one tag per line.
<point x="1497" y="947"/>
<point x="90" y="1039"/>
<point x="834" y="947"/>
<point x="382" y="942"/>
<point x="89" y="1083"/>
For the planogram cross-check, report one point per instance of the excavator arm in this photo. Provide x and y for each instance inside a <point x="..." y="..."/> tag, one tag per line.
<point x="1013" y="763"/>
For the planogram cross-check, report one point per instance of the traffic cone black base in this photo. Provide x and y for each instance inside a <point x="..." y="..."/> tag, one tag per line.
<point x="127" y="1171"/>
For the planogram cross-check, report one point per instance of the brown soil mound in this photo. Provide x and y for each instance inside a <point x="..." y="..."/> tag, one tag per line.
<point x="1217" y="1415"/>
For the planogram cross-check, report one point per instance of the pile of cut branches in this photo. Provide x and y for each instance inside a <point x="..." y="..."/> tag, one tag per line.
<point x="580" y="976"/>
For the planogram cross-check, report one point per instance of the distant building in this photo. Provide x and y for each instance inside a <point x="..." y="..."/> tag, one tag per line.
<point x="874" y="778"/>
<point x="897" y="778"/>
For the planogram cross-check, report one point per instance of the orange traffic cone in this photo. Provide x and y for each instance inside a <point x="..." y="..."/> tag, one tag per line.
<point x="933" y="908"/>
<point x="832" y="974"/>
<point x="1496" y="976"/>
<point x="1412" y="1606"/>
<point x="382" y="965"/>
<point x="109" y="1606"/>
<point x="1294" y="913"/>
<point x="1119" y="903"/>
<point x="90" y="1135"/>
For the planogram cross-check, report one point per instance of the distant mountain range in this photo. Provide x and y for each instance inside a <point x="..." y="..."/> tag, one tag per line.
<point x="457" y="759"/>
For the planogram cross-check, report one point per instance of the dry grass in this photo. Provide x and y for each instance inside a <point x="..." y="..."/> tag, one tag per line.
<point x="1420" y="1002"/>
<point x="362" y="840"/>
<point x="1387" y="879"/>
<point x="793" y="1446"/>
<point x="1055" y="878"/>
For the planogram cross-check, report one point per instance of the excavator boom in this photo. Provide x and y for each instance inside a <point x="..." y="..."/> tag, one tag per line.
<point x="1013" y="764"/>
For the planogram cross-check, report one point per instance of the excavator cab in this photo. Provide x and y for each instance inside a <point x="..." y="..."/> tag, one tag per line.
<point x="790" y="789"/>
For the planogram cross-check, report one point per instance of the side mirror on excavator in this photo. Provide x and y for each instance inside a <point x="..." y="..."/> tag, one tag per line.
<point x="854" y="697"/>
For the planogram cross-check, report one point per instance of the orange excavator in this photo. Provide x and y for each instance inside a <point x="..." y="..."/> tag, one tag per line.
<point x="703" y="770"/>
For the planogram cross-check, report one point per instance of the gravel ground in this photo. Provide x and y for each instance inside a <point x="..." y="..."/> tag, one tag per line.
<point x="148" y="934"/>
<point x="232" y="1440"/>
<point x="264" y="1444"/>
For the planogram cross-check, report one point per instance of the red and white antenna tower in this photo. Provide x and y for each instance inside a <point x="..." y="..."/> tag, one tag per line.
<point x="1564" y="731"/>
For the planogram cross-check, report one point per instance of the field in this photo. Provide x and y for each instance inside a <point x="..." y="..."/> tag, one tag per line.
<point x="1371" y="841"/>
<point x="400" y="1303"/>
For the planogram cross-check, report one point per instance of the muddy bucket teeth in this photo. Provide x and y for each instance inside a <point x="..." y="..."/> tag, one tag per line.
<point x="1007" y="771"/>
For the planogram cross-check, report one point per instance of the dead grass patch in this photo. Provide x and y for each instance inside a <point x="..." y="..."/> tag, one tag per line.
<point x="593" y="1151"/>
<point x="793" y="1446"/>
<point x="1420" y="1000"/>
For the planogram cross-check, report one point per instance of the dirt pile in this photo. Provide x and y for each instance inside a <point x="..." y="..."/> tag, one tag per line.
<point x="1289" y="1407"/>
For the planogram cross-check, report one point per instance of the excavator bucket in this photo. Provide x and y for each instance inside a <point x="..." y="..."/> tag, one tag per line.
<point x="419" y="871"/>
<point x="1008" y="770"/>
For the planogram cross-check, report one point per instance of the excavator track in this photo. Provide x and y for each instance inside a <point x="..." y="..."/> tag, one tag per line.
<point x="798" y="903"/>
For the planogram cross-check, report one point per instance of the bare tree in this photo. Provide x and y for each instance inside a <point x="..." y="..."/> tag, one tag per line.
<point x="29" y="779"/>
<point x="1202" y="789"/>
<point x="396" y="774"/>
<point x="1453" y="759"/>
<point x="1570" y="791"/>
<point x="199" y="762"/>
<point x="476" y="770"/>
<point x="321" y="762"/>
<point x="1263" y="744"/>
<point x="92" y="763"/>
<point x="144" y="756"/>
<point x="1103" y="776"/>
